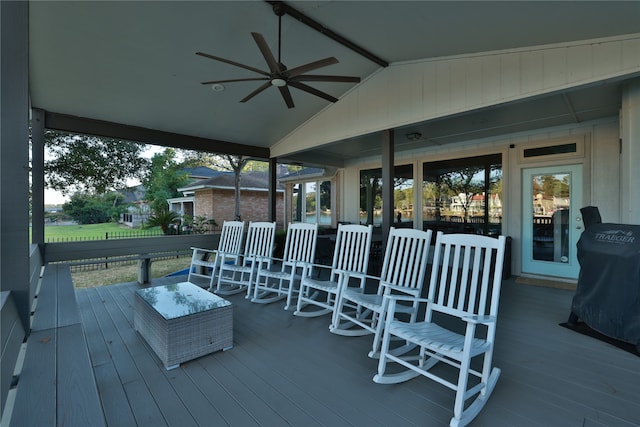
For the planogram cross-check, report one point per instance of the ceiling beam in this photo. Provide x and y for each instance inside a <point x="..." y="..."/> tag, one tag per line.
<point x="327" y="32"/>
<point x="82" y="125"/>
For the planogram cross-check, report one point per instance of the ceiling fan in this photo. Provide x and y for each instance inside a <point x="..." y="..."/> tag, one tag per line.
<point x="278" y="74"/>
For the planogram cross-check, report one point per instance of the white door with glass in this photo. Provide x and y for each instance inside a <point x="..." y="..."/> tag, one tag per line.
<point x="552" y="223"/>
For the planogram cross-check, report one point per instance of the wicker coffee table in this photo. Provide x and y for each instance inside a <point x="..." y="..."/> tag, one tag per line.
<point x="182" y="322"/>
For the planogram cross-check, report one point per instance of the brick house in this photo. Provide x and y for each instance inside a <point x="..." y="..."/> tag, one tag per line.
<point x="214" y="198"/>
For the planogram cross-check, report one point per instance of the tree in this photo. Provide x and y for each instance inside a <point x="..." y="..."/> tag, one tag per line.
<point x="461" y="182"/>
<point x="86" y="208"/>
<point x="163" y="179"/>
<point x="89" y="164"/>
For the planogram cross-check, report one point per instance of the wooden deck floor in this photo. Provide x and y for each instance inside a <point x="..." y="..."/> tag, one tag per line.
<point x="284" y="370"/>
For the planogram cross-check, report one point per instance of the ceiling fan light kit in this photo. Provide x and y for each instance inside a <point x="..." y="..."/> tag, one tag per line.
<point x="278" y="74"/>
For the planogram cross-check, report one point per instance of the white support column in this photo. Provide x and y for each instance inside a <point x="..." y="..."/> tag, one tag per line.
<point x="630" y="155"/>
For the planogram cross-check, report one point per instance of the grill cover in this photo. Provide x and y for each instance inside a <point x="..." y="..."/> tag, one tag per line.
<point x="607" y="297"/>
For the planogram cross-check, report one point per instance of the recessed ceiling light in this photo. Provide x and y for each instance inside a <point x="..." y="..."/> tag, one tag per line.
<point x="217" y="87"/>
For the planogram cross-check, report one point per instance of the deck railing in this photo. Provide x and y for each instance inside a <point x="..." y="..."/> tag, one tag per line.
<point x="115" y="250"/>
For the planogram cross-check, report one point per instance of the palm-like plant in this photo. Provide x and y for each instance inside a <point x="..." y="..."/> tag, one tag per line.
<point x="163" y="218"/>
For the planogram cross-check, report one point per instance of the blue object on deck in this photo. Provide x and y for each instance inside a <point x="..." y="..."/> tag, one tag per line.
<point x="182" y="272"/>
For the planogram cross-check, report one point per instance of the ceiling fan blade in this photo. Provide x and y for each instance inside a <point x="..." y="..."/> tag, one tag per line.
<point x="255" y="92"/>
<point x="311" y="66"/>
<point x="286" y="95"/>
<point x="237" y="64"/>
<point x="312" y="91"/>
<point x="321" y="78"/>
<point x="235" y="80"/>
<point x="266" y="52"/>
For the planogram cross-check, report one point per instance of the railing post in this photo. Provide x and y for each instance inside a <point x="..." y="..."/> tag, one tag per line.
<point x="106" y="237"/>
<point x="144" y="269"/>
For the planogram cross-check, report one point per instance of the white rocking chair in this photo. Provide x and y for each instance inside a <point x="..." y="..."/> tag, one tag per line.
<point x="205" y="263"/>
<point x="464" y="290"/>
<point x="403" y="272"/>
<point x="351" y="253"/>
<point x="235" y="277"/>
<point x="299" y="251"/>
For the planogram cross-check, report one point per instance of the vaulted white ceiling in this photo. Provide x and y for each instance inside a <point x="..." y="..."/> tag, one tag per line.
<point x="134" y="63"/>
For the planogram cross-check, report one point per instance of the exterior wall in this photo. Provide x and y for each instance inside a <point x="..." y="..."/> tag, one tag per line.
<point x="219" y="204"/>
<point x="601" y="161"/>
<point x="630" y="149"/>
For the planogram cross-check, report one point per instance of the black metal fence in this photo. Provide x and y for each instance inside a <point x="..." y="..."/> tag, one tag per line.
<point x="93" y="264"/>
<point x="133" y="234"/>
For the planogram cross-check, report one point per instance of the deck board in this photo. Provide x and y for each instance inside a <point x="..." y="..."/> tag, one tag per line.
<point x="285" y="370"/>
<point x="115" y="403"/>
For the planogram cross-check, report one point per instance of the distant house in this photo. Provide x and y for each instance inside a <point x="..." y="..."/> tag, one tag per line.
<point x="139" y="211"/>
<point x="214" y="198"/>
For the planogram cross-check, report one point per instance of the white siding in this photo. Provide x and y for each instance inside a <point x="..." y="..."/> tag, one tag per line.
<point x="410" y="92"/>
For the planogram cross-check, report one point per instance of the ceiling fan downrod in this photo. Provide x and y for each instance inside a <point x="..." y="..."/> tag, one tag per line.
<point x="278" y="9"/>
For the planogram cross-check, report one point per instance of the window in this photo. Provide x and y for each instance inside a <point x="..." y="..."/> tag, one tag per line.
<point x="371" y="196"/>
<point x="311" y="202"/>
<point x="463" y="195"/>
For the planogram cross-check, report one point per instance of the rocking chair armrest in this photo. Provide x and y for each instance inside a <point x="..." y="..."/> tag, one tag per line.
<point x="309" y="266"/>
<point x="351" y="273"/>
<point x="483" y="320"/>
<point x="212" y="251"/>
<point x="407" y="298"/>
<point x="392" y="300"/>
<point x="397" y="288"/>
<point x="224" y="255"/>
<point x="267" y="258"/>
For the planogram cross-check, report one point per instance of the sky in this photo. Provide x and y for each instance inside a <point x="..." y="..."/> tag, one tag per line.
<point x="53" y="197"/>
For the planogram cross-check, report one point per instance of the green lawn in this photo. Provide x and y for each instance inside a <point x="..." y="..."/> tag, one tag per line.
<point x="54" y="233"/>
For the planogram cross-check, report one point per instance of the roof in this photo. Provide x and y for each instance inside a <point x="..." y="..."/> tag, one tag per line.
<point x="306" y="173"/>
<point x="133" y="194"/>
<point x="201" y="172"/>
<point x="226" y="180"/>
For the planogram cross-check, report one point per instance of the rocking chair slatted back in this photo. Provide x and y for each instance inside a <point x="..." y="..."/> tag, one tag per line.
<point x="300" y="243"/>
<point x="405" y="261"/>
<point x="260" y="237"/>
<point x="231" y="237"/>
<point x="353" y="243"/>
<point x="466" y="286"/>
